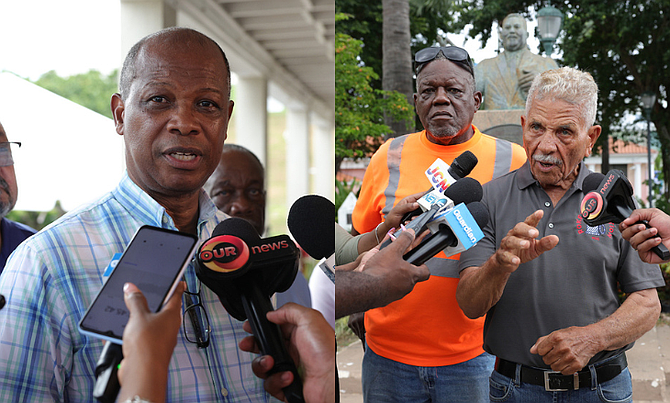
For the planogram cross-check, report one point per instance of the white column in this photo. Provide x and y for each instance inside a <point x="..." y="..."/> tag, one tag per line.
<point x="140" y="18"/>
<point x="297" y="153"/>
<point x="638" y="169"/>
<point x="250" y="111"/>
<point x="322" y="172"/>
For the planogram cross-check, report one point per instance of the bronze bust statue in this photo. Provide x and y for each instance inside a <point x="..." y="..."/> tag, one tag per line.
<point x="504" y="80"/>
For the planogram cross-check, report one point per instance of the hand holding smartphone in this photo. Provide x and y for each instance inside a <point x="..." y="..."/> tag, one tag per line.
<point x="154" y="261"/>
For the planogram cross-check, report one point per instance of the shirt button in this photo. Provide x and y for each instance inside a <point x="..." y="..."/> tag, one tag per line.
<point x="548" y="204"/>
<point x="551" y="225"/>
<point x="224" y="392"/>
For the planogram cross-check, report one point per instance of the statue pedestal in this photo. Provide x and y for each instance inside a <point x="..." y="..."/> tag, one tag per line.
<point x="501" y="123"/>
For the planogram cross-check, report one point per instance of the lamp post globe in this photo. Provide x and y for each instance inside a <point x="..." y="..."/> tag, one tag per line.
<point x="549" y="20"/>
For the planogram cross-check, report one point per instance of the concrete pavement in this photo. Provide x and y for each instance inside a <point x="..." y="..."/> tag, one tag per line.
<point x="648" y="361"/>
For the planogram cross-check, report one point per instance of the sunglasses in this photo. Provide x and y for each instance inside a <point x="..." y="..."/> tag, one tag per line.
<point x="455" y="54"/>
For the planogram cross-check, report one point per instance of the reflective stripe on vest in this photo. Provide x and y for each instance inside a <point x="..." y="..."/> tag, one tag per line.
<point x="393" y="165"/>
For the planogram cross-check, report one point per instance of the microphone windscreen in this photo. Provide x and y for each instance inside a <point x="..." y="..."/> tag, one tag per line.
<point x="310" y="221"/>
<point x="466" y="190"/>
<point x="463" y="165"/>
<point x="238" y="227"/>
<point x="479" y="212"/>
<point x="592" y="181"/>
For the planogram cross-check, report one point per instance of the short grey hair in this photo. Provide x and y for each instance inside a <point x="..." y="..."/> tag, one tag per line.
<point x="567" y="84"/>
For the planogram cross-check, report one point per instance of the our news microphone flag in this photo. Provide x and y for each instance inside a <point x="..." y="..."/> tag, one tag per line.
<point x="311" y="221"/>
<point x="244" y="271"/>
<point x="611" y="201"/>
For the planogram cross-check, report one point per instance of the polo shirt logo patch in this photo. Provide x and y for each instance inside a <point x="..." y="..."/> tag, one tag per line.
<point x="594" y="232"/>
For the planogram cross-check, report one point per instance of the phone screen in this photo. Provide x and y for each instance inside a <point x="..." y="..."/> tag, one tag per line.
<point x="154" y="261"/>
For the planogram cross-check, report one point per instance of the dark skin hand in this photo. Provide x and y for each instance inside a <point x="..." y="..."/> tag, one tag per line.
<point x="643" y="239"/>
<point x="311" y="343"/>
<point x="392" y="222"/>
<point x="378" y="278"/>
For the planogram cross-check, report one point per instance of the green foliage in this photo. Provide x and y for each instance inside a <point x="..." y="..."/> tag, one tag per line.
<point x="344" y="335"/>
<point x="429" y="20"/>
<point x="36" y="219"/>
<point x="92" y="89"/>
<point x="624" y="45"/>
<point x="659" y="199"/>
<point x="359" y="109"/>
<point x="342" y="190"/>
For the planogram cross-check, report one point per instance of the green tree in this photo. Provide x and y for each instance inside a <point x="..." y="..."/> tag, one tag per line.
<point x="397" y="58"/>
<point x="429" y="21"/>
<point x="392" y="31"/>
<point x="359" y="109"/>
<point x="624" y="45"/>
<point x="91" y="89"/>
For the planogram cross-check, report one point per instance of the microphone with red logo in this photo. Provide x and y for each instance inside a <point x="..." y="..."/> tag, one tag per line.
<point x="244" y="270"/>
<point x="609" y="199"/>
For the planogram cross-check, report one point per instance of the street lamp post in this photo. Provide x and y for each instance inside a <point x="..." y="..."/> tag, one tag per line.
<point x="549" y="20"/>
<point x="648" y="100"/>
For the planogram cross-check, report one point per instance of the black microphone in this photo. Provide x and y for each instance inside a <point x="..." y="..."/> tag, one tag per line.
<point x="612" y="202"/>
<point x="460" y="167"/>
<point x="107" y="385"/>
<point x="311" y="221"/>
<point x="466" y="190"/>
<point x="244" y="271"/>
<point x="454" y="235"/>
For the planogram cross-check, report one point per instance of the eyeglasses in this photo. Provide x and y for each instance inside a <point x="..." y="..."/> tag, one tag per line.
<point x="199" y="331"/>
<point x="6" y="150"/>
<point x="453" y="53"/>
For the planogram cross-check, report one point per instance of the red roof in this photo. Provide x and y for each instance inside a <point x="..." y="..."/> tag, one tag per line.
<point x="621" y="147"/>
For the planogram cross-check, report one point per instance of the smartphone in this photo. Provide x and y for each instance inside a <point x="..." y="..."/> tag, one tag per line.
<point x="154" y="261"/>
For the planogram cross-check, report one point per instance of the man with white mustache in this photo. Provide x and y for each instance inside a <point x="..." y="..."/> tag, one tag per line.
<point x="553" y="316"/>
<point x="11" y="233"/>
<point x="504" y="80"/>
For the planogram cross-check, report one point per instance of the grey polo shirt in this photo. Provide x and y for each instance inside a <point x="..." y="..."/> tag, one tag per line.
<point x="574" y="284"/>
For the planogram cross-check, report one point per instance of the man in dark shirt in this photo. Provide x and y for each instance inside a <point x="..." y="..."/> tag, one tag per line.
<point x="11" y="233"/>
<point x="549" y="285"/>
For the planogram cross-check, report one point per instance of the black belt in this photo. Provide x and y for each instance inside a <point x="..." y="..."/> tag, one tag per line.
<point x="555" y="381"/>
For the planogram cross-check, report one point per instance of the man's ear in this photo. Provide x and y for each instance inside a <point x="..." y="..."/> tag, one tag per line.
<point x="478" y="100"/>
<point x="118" y="108"/>
<point x="593" y="133"/>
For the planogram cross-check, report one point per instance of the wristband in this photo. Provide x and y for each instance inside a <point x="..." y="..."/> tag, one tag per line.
<point x="376" y="235"/>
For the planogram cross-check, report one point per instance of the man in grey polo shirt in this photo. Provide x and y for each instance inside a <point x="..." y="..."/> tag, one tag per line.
<point x="553" y="305"/>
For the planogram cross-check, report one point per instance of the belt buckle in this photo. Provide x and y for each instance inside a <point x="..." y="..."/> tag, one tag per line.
<point x="548" y="388"/>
